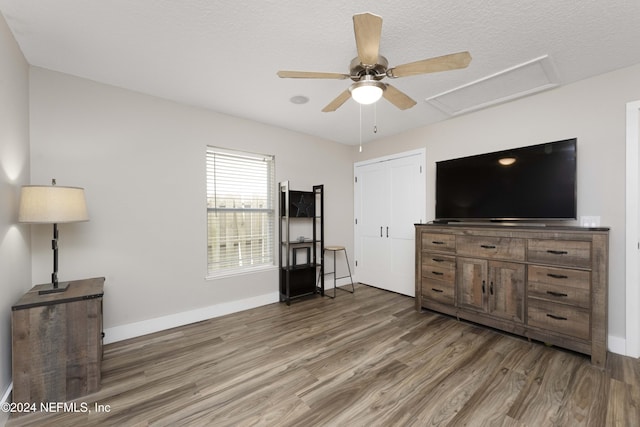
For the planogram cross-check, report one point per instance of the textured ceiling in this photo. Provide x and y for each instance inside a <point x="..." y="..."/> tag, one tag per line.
<point x="224" y="55"/>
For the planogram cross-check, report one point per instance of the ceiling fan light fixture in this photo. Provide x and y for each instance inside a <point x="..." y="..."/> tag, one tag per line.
<point x="367" y="91"/>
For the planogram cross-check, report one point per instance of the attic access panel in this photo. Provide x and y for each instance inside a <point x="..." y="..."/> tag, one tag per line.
<point x="521" y="80"/>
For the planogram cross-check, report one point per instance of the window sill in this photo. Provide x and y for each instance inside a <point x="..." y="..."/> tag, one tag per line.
<point x="240" y="272"/>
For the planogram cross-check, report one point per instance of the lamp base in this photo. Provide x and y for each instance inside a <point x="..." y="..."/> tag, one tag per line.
<point x="61" y="288"/>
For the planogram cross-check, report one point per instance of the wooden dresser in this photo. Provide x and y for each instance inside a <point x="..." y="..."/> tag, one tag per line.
<point x="544" y="283"/>
<point x="57" y="343"/>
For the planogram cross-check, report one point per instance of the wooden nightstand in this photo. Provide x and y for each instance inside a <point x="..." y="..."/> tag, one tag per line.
<point x="57" y="343"/>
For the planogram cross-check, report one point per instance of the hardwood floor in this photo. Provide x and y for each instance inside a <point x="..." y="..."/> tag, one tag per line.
<point x="363" y="359"/>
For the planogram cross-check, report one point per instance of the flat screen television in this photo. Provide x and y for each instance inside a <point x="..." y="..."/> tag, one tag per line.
<point x="528" y="183"/>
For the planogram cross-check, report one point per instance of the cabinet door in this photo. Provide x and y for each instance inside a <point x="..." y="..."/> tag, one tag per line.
<point x="471" y="275"/>
<point x="506" y="290"/>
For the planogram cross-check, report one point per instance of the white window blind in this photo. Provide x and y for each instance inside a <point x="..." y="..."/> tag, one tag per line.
<point x="240" y="211"/>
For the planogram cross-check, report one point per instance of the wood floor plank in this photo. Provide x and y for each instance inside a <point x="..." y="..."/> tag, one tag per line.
<point x="405" y="401"/>
<point x="363" y="359"/>
<point x="449" y="390"/>
<point x="579" y="408"/>
<point x="623" y="404"/>
<point x="545" y="392"/>
<point x="502" y="386"/>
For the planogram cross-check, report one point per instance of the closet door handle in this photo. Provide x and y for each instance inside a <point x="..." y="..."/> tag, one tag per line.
<point x="387" y="232"/>
<point x="380" y="231"/>
<point x="483" y="289"/>
<point x="491" y="288"/>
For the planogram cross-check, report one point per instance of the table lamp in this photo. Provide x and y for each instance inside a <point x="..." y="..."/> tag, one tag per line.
<point x="41" y="204"/>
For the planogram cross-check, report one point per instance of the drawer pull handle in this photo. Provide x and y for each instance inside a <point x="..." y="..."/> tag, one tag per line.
<point x="557" y="276"/>
<point x="436" y="242"/>
<point x="437" y="290"/>
<point x="487" y="246"/>
<point x="553" y="316"/>
<point x="557" y="252"/>
<point x="437" y="259"/>
<point x="483" y="290"/>
<point x="557" y="294"/>
<point x="437" y="273"/>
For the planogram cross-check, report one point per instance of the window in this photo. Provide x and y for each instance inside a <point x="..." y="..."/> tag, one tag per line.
<point x="240" y="211"/>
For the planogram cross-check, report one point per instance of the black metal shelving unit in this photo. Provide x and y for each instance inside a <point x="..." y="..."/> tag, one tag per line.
<point x="301" y="258"/>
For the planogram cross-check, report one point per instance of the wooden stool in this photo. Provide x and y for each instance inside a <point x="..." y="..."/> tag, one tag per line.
<point x="335" y="249"/>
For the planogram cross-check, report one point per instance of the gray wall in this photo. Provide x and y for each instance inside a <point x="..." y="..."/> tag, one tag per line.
<point x="15" y="260"/>
<point x="141" y="161"/>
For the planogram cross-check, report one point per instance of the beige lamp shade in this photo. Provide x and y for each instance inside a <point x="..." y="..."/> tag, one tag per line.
<point x="40" y="204"/>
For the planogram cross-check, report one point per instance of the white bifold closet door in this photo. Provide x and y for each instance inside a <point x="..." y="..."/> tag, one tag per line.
<point x="389" y="198"/>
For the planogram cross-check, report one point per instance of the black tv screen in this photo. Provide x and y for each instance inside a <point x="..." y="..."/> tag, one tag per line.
<point x="535" y="183"/>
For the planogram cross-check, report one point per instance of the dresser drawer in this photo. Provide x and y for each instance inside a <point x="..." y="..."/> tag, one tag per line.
<point x="568" y="253"/>
<point x="560" y="285"/>
<point x="439" y="291"/>
<point x="439" y="242"/>
<point x="439" y="267"/>
<point x="506" y="248"/>
<point x="560" y="318"/>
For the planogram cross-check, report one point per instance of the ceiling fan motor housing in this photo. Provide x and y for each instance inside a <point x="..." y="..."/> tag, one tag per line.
<point x="357" y="70"/>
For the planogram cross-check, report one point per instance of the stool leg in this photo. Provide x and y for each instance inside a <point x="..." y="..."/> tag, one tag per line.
<point x="334" y="273"/>
<point x="325" y="274"/>
<point x="353" y="288"/>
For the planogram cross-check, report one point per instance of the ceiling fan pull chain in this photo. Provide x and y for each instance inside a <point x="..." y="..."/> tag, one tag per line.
<point x="375" y="118"/>
<point x="360" y="128"/>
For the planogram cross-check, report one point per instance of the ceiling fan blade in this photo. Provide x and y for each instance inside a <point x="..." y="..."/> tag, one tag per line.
<point x="432" y="65"/>
<point x="398" y="98"/>
<point x="367" y="28"/>
<point x="337" y="103"/>
<point x="311" y="75"/>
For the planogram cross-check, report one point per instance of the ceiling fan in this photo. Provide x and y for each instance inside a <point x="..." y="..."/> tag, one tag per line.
<point x="369" y="67"/>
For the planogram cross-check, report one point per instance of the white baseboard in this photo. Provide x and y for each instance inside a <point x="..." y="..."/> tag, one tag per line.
<point x="617" y="345"/>
<point x="132" y="330"/>
<point x="4" y="415"/>
<point x="5" y="396"/>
